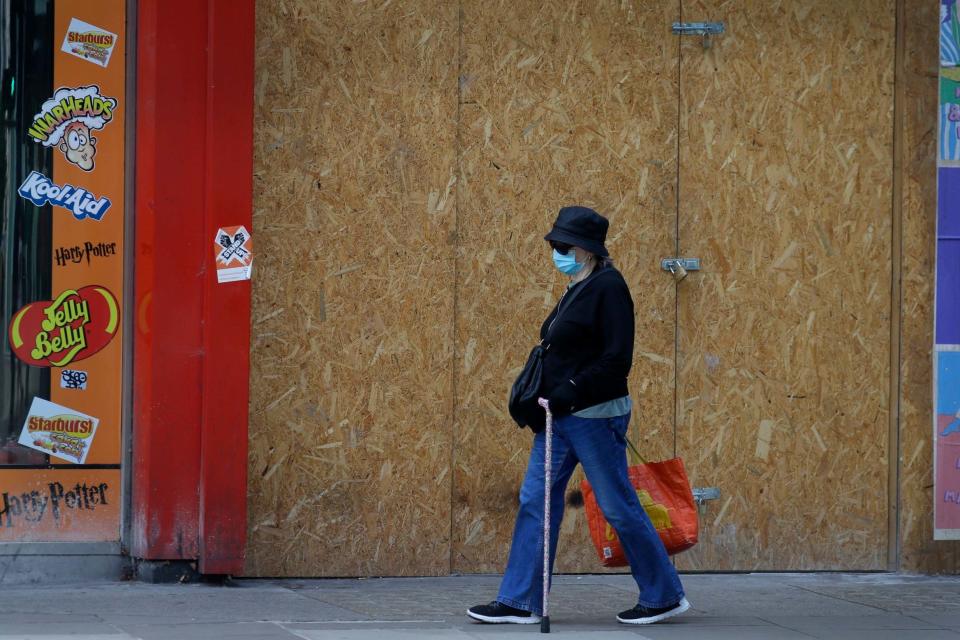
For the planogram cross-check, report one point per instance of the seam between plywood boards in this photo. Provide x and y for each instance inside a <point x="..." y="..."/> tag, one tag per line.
<point x="454" y="389"/>
<point x="676" y="242"/>
<point x="896" y="298"/>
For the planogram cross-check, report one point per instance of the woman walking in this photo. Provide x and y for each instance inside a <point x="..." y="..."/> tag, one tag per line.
<point x="585" y="381"/>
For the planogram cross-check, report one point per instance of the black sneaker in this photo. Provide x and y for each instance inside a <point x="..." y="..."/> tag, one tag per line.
<point x="499" y="613"/>
<point x="642" y="615"/>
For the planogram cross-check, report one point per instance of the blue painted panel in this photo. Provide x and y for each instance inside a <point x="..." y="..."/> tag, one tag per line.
<point x="948" y="292"/>
<point x="948" y="383"/>
<point x="948" y="202"/>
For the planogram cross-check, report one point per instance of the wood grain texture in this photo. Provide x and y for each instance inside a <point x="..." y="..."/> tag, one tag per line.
<point x="561" y="103"/>
<point x="918" y="550"/>
<point x="351" y="399"/>
<point x="783" y="366"/>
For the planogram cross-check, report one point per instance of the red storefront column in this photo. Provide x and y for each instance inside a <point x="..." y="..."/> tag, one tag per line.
<point x="194" y="171"/>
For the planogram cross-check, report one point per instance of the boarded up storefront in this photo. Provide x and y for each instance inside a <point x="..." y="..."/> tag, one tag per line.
<point x="409" y="159"/>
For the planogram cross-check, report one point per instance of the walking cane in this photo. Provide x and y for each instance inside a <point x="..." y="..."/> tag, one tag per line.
<point x="548" y="458"/>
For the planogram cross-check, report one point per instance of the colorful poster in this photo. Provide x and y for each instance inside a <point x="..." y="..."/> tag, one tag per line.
<point x="949" y="148"/>
<point x="946" y="361"/>
<point x="947" y="452"/>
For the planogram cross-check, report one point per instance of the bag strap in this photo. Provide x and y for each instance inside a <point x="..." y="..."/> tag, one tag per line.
<point x="634" y="450"/>
<point x="577" y="289"/>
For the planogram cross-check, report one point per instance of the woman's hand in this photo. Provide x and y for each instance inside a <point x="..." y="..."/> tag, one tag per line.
<point x="562" y="398"/>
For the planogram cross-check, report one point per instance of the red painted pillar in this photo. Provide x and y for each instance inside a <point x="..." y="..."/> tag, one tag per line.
<point x="226" y="337"/>
<point x="193" y="174"/>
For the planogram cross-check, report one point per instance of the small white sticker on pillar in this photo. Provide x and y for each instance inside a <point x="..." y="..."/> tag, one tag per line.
<point x="233" y="248"/>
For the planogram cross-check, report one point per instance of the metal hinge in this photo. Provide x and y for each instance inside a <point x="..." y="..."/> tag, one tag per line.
<point x="705" y="29"/>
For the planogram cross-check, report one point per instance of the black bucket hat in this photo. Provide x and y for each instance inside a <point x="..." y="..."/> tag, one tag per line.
<point x="582" y="227"/>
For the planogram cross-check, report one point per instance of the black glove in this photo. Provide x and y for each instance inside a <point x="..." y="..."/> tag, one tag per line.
<point x="562" y="399"/>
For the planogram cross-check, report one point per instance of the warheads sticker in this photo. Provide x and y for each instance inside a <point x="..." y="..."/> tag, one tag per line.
<point x="41" y="190"/>
<point x="59" y="431"/>
<point x="88" y="42"/>
<point x="68" y="119"/>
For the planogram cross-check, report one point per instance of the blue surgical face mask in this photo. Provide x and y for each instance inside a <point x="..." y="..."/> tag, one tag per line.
<point x="567" y="263"/>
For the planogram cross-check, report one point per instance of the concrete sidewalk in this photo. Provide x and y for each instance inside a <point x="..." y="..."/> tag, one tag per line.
<point x="741" y="607"/>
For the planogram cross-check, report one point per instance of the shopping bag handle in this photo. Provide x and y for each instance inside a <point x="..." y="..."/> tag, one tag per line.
<point x="633" y="449"/>
<point x="636" y="453"/>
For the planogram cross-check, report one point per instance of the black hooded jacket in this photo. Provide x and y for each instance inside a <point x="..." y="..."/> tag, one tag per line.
<point x="591" y="345"/>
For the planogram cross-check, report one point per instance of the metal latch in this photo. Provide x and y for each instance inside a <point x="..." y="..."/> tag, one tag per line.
<point x="680" y="266"/>
<point x="702" y="494"/>
<point x="671" y="264"/>
<point x="705" y="29"/>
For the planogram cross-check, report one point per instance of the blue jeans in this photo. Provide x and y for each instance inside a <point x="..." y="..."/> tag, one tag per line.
<point x="599" y="445"/>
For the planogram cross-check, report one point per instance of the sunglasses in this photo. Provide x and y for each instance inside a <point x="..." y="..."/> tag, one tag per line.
<point x="560" y="247"/>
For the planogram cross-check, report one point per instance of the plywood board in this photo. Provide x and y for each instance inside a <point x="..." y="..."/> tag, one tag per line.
<point x="785" y="193"/>
<point x="351" y="394"/>
<point x="561" y="103"/>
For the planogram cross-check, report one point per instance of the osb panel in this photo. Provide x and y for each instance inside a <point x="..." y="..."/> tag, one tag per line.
<point x="561" y="103"/>
<point x="783" y="368"/>
<point x="350" y="429"/>
<point x="919" y="552"/>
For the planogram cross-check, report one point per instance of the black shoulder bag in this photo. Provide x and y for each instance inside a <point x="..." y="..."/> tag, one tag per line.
<point x="526" y="388"/>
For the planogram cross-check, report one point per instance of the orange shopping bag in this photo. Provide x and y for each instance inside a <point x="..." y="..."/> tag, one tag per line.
<point x="664" y="492"/>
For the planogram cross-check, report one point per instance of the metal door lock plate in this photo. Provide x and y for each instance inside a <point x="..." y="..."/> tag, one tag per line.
<point x="671" y="264"/>
<point x="702" y="494"/>
<point x="697" y="28"/>
<point x="705" y="29"/>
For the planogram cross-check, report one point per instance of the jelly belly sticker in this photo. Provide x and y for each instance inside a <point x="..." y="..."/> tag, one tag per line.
<point x="59" y="431"/>
<point x="76" y="325"/>
<point x="68" y="119"/>
<point x="41" y="190"/>
<point x="233" y="248"/>
<point x="88" y="42"/>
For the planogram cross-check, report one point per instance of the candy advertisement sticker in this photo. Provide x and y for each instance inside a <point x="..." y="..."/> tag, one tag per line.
<point x="233" y="248"/>
<point x="89" y="43"/>
<point x="68" y="119"/>
<point x="58" y="431"/>
<point x="41" y="190"/>
<point x="76" y="325"/>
